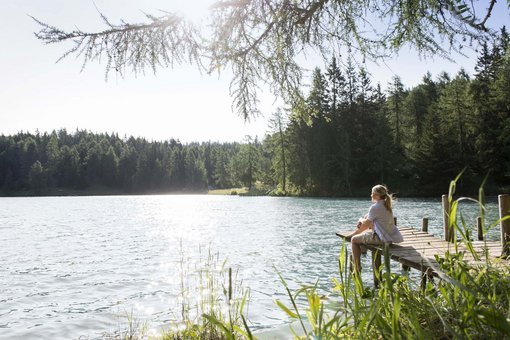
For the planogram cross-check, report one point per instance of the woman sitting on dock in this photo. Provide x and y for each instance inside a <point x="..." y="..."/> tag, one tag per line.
<point x="377" y="227"/>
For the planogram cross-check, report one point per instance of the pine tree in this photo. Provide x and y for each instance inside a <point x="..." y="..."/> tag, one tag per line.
<point x="53" y="155"/>
<point x="37" y="178"/>
<point x="396" y="97"/>
<point x="500" y="90"/>
<point x="457" y="123"/>
<point x="299" y="159"/>
<point x="246" y="162"/>
<point x="279" y="148"/>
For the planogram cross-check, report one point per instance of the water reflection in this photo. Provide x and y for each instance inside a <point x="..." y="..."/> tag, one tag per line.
<point x="74" y="266"/>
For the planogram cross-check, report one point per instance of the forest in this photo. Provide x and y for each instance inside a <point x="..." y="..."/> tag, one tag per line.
<point x="346" y="135"/>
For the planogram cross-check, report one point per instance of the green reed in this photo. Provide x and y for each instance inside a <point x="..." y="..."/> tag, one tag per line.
<point x="211" y="305"/>
<point x="213" y="308"/>
<point x="468" y="300"/>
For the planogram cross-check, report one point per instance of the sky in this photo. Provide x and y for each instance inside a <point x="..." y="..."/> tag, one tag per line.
<point x="36" y="93"/>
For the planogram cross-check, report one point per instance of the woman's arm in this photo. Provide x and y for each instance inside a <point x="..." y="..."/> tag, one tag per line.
<point x="363" y="224"/>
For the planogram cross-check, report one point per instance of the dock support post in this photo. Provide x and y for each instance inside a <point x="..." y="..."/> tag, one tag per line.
<point x="504" y="211"/>
<point x="423" y="283"/>
<point x="425" y="225"/>
<point x="448" y="232"/>
<point x="376" y="267"/>
<point x="426" y="276"/>
<point x="479" y="227"/>
<point x="425" y="229"/>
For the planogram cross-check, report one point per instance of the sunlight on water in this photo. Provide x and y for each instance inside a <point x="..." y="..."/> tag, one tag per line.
<point x="82" y="266"/>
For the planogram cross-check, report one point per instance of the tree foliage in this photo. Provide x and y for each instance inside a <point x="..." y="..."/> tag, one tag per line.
<point x="43" y="164"/>
<point x="345" y="136"/>
<point x="262" y="41"/>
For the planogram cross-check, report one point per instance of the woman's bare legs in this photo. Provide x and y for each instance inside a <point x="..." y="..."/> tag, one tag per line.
<point x="356" y="242"/>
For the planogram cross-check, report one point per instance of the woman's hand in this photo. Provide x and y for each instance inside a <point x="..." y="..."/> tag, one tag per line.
<point x="366" y="223"/>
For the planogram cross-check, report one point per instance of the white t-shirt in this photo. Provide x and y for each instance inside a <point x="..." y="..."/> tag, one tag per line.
<point x="383" y="222"/>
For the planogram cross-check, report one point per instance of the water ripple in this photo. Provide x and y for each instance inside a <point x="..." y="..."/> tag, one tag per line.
<point x="77" y="266"/>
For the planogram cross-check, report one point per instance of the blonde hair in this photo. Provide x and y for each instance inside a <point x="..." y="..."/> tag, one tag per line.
<point x="383" y="193"/>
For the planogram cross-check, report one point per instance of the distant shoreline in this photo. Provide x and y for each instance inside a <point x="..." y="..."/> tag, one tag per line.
<point x="242" y="192"/>
<point x="98" y="192"/>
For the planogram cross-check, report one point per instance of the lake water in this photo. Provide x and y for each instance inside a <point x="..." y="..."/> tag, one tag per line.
<point x="77" y="266"/>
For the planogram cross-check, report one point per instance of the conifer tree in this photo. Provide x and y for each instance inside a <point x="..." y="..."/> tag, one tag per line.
<point x="396" y="97"/>
<point x="37" y="178"/>
<point x="279" y="148"/>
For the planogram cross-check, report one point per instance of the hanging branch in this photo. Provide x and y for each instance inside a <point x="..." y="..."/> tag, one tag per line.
<point x="163" y="42"/>
<point x="487" y="16"/>
<point x="262" y="40"/>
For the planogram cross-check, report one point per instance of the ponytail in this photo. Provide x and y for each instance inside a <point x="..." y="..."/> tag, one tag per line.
<point x="383" y="193"/>
<point x="388" y="202"/>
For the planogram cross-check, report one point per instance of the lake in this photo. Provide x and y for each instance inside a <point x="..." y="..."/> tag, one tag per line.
<point x="78" y="266"/>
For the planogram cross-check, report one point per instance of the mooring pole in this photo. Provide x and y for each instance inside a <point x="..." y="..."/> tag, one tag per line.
<point x="425" y="225"/>
<point x="425" y="229"/>
<point x="504" y="211"/>
<point x="448" y="233"/>
<point x="479" y="227"/>
<point x="376" y="267"/>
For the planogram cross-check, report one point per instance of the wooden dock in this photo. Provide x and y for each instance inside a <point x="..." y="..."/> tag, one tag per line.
<point x="419" y="248"/>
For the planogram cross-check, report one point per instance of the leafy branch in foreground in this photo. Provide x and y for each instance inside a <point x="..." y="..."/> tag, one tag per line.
<point x="164" y="41"/>
<point x="263" y="41"/>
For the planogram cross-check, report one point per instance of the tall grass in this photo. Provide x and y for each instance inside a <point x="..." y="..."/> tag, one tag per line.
<point x="469" y="300"/>
<point x="213" y="306"/>
<point x="212" y="302"/>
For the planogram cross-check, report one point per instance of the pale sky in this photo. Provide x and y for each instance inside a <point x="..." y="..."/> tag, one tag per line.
<point x="180" y="103"/>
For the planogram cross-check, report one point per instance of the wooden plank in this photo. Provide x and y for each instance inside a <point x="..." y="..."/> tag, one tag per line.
<point x="424" y="241"/>
<point x="417" y="243"/>
<point x="419" y="249"/>
<point x="413" y="251"/>
<point x="418" y="237"/>
<point x="413" y="232"/>
<point x="418" y="259"/>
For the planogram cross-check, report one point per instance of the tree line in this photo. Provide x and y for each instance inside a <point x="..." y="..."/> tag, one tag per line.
<point x="346" y="135"/>
<point x="349" y="134"/>
<point x="40" y="163"/>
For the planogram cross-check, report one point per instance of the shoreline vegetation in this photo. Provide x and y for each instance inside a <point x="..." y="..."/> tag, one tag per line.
<point x="468" y="300"/>
<point x="238" y="191"/>
<point x="102" y="191"/>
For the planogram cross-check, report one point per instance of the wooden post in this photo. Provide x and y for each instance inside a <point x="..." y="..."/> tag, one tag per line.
<point x="423" y="283"/>
<point x="424" y="228"/>
<point x="480" y="228"/>
<point x="448" y="234"/>
<point x="376" y="267"/>
<point x="425" y="225"/>
<point x="425" y="276"/>
<point x="504" y="210"/>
